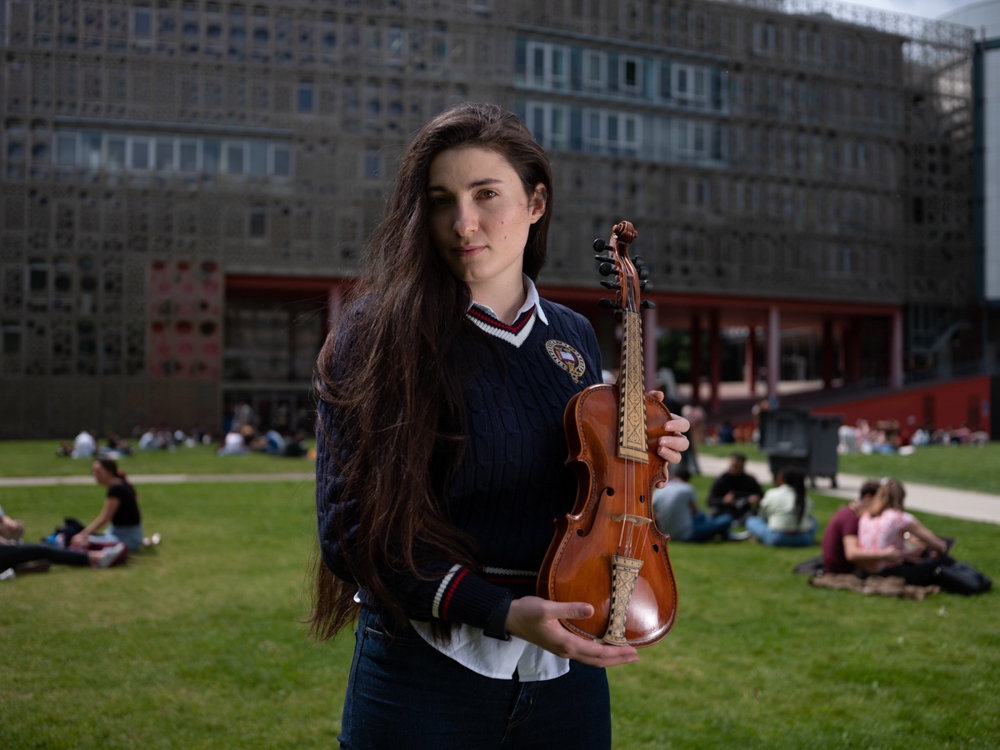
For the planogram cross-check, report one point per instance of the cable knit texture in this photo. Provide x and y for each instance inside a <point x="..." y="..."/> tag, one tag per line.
<point x="512" y="481"/>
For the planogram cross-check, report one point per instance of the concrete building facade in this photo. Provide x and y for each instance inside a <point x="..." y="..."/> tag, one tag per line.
<point x="188" y="185"/>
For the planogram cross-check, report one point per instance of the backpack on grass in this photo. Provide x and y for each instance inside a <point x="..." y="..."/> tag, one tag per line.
<point x="961" y="578"/>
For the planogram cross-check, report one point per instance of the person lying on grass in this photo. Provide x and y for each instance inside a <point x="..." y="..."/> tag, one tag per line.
<point x="12" y="555"/>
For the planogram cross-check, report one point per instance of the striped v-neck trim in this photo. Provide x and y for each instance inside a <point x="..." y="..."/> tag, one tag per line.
<point x="514" y="334"/>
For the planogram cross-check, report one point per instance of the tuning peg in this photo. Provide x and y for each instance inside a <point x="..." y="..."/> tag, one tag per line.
<point x="644" y="284"/>
<point x="644" y="272"/>
<point x="599" y="245"/>
<point x="603" y="259"/>
<point x="605" y="269"/>
<point x="606" y="304"/>
<point x="610" y="285"/>
<point x="638" y="261"/>
<point x="647" y="304"/>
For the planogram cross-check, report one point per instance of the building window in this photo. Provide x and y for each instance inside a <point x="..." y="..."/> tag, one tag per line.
<point x="66" y="149"/>
<point x="189" y="156"/>
<point x="38" y="275"/>
<point x="258" y="221"/>
<point x="282" y="161"/>
<point x="142" y="21"/>
<point x="164" y="154"/>
<point x="140" y="153"/>
<point x="210" y="156"/>
<point x="305" y="97"/>
<point x="258" y="157"/>
<point x="116" y="152"/>
<point x="234" y="158"/>
<point x="371" y="165"/>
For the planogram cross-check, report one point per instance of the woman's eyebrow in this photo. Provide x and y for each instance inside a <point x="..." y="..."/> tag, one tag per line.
<point x="470" y="186"/>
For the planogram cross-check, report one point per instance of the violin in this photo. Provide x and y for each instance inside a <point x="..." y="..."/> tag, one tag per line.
<point x="608" y="551"/>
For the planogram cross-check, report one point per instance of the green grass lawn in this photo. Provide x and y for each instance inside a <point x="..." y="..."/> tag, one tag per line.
<point x="195" y="645"/>
<point x="965" y="467"/>
<point x="37" y="458"/>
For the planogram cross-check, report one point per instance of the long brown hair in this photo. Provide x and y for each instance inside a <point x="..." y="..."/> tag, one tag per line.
<point x="891" y="494"/>
<point x="391" y="377"/>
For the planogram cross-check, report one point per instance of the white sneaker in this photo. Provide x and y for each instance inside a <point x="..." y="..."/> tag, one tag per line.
<point x="8" y="575"/>
<point x="110" y="554"/>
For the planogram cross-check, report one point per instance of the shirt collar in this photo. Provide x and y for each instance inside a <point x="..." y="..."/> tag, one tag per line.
<point x="530" y="298"/>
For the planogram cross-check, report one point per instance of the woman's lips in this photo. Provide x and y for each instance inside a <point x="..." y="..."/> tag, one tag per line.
<point x="467" y="251"/>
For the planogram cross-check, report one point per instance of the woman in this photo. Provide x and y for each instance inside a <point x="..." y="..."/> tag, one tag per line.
<point x="785" y="515"/>
<point x="440" y="460"/>
<point x="885" y="524"/>
<point x="18" y="554"/>
<point x="121" y="509"/>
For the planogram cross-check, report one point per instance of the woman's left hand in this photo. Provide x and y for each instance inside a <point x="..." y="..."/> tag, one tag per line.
<point x="670" y="446"/>
<point x="80" y="540"/>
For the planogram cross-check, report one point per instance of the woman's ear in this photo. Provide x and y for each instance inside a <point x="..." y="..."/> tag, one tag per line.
<point x="537" y="203"/>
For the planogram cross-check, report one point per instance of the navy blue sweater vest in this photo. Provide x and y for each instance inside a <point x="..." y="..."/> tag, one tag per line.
<point x="512" y="481"/>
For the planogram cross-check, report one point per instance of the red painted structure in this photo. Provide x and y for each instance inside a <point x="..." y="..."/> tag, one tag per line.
<point x="941" y="405"/>
<point x="846" y="323"/>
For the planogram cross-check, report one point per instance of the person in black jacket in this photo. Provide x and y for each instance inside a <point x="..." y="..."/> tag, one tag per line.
<point x="735" y="492"/>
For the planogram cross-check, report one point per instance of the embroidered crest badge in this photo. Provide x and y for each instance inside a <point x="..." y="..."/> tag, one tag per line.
<point x="568" y="358"/>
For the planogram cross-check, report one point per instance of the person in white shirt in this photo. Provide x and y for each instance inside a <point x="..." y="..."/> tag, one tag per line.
<point x="785" y="516"/>
<point x="84" y="445"/>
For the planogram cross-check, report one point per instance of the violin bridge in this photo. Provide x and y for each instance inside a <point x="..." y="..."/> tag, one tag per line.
<point x="637" y="520"/>
<point x="624" y="571"/>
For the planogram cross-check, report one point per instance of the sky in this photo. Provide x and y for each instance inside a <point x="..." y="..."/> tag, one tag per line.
<point x="925" y="8"/>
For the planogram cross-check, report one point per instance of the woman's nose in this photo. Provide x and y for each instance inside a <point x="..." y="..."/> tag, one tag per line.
<point x="466" y="222"/>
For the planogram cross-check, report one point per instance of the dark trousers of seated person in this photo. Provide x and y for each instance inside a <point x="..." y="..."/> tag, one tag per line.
<point x="740" y="510"/>
<point x="11" y="555"/>
<point x="918" y="574"/>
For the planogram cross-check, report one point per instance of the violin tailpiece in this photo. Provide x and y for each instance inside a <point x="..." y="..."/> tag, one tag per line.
<point x="624" y="571"/>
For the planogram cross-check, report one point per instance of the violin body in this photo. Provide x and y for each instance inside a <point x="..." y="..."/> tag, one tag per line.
<point x="608" y="551"/>
<point x="579" y="564"/>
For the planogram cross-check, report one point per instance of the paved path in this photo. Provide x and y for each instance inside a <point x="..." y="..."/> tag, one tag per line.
<point x="974" y="506"/>
<point x="944" y="501"/>
<point x="160" y="479"/>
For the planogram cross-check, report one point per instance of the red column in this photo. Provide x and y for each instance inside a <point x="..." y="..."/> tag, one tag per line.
<point x="751" y="360"/>
<point x="695" y="359"/>
<point x="713" y="353"/>
<point x="896" y="351"/>
<point x="773" y="350"/>
<point x="827" y="352"/>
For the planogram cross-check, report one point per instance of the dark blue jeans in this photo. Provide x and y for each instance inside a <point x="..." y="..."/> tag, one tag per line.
<point x="403" y="693"/>
<point x="704" y="527"/>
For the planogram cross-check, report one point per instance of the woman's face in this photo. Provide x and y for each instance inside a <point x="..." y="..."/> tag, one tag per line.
<point x="99" y="472"/>
<point x="480" y="216"/>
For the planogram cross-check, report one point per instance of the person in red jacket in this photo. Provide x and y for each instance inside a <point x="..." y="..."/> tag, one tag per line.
<point x="841" y="551"/>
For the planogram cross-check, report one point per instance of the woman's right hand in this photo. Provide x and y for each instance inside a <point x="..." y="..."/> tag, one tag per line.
<point x="536" y="620"/>
<point x="80" y="540"/>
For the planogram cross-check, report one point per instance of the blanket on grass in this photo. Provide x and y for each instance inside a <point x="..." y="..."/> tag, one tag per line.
<point x="888" y="586"/>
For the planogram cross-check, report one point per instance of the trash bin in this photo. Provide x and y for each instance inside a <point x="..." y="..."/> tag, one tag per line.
<point x="794" y="438"/>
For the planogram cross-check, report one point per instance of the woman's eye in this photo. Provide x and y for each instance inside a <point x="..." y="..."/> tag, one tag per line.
<point x="438" y="201"/>
<point x="488" y="194"/>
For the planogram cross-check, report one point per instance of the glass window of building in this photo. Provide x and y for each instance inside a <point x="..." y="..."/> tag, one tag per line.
<point x="91" y="149"/>
<point x="66" y="148"/>
<point x="140" y="153"/>
<point x="258" y="221"/>
<point x="371" y="165"/>
<point x="305" y="97"/>
<point x="258" y="157"/>
<point x="116" y="152"/>
<point x="234" y="158"/>
<point x="189" y="156"/>
<point x="282" y="161"/>
<point x="164" y="154"/>
<point x="141" y="22"/>
<point x="211" y="151"/>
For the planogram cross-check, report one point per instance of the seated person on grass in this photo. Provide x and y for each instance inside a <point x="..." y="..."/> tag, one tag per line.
<point x="841" y="551"/>
<point x="734" y="493"/>
<point x="785" y="513"/>
<point x="885" y="524"/>
<point x="18" y="554"/>
<point x="675" y="508"/>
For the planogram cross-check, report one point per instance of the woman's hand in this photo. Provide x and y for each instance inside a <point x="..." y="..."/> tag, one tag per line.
<point x="536" y="620"/>
<point x="80" y="540"/>
<point x="670" y="447"/>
